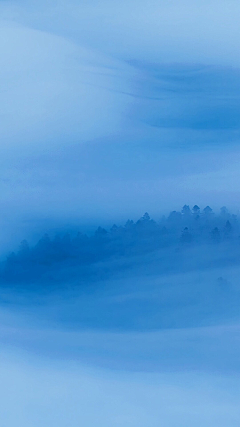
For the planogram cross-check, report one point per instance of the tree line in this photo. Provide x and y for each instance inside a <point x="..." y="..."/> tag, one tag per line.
<point x="183" y="228"/>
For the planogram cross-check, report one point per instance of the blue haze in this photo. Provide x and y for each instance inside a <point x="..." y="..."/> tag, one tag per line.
<point x="110" y="109"/>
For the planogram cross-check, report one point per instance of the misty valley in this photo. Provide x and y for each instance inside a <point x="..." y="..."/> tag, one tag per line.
<point x="181" y="271"/>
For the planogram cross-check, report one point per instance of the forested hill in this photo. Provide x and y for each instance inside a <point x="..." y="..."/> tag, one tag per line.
<point x="188" y="228"/>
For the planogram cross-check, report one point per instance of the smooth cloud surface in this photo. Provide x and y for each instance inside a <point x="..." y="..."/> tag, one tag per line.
<point x="53" y="395"/>
<point x="53" y="89"/>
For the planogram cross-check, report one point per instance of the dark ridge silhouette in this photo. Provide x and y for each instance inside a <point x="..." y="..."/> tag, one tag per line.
<point x="181" y="230"/>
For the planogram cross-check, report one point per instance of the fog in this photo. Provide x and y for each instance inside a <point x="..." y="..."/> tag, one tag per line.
<point x="111" y="109"/>
<point x="110" y="316"/>
<point x="140" y="325"/>
<point x="53" y="394"/>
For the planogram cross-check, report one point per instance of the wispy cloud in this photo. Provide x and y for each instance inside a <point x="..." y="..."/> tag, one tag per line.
<point x="106" y="98"/>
